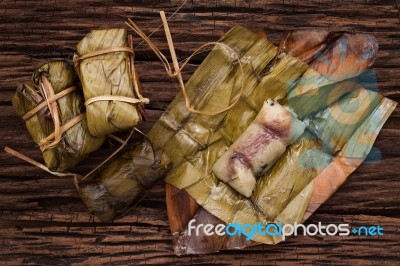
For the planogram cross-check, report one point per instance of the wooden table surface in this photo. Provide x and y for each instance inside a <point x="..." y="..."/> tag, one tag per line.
<point x="43" y="221"/>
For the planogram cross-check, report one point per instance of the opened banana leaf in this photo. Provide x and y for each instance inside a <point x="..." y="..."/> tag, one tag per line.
<point x="123" y="180"/>
<point x="106" y="69"/>
<point x="203" y="139"/>
<point x="76" y="142"/>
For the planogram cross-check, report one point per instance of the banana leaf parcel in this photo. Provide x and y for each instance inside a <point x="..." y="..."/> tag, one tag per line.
<point x="109" y="81"/>
<point x="58" y="127"/>
<point x="123" y="180"/>
<point x="290" y="190"/>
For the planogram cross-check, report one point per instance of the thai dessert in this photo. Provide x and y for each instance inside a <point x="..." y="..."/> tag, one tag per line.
<point x="123" y="180"/>
<point x="54" y="114"/>
<point x="111" y="88"/>
<point x="257" y="149"/>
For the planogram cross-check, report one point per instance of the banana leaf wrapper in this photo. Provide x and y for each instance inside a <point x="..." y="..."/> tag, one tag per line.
<point x="203" y="139"/>
<point x="104" y="75"/>
<point x="76" y="142"/>
<point x="123" y="180"/>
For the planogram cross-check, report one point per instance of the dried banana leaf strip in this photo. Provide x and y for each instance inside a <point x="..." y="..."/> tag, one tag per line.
<point x="123" y="180"/>
<point x="76" y="142"/>
<point x="108" y="74"/>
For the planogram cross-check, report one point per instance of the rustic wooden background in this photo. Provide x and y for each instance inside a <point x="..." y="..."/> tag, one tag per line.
<point x="42" y="218"/>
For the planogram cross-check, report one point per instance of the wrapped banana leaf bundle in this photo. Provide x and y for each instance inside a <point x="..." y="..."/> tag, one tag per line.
<point x="53" y="111"/>
<point x="298" y="180"/>
<point x="123" y="180"/>
<point x="110" y="83"/>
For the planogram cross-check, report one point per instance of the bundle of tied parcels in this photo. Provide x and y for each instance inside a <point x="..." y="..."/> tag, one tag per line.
<point x="296" y="133"/>
<point x="111" y="89"/>
<point x="69" y="122"/>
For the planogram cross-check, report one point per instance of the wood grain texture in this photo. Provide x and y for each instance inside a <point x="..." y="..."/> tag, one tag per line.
<point x="43" y="221"/>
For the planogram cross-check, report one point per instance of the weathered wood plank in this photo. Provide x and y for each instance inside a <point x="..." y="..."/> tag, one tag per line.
<point x="99" y="243"/>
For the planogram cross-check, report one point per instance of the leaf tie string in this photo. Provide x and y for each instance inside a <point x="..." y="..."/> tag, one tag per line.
<point x="178" y="70"/>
